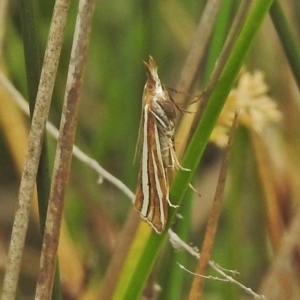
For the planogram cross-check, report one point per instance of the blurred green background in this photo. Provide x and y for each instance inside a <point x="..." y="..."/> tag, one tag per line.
<point x="124" y="34"/>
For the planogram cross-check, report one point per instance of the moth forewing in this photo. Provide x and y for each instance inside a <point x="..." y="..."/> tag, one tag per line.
<point x="152" y="192"/>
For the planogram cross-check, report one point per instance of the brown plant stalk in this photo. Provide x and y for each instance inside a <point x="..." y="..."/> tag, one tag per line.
<point x="198" y="283"/>
<point x="35" y="141"/>
<point x="63" y="155"/>
<point x="282" y="279"/>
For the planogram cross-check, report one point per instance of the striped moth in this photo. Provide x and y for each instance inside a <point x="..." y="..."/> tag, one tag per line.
<point x="158" y="155"/>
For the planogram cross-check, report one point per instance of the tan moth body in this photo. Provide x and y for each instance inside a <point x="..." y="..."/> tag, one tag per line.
<point x="158" y="153"/>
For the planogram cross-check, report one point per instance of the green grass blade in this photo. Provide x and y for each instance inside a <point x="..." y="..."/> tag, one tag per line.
<point x="219" y="36"/>
<point x="175" y="281"/>
<point x="287" y="38"/>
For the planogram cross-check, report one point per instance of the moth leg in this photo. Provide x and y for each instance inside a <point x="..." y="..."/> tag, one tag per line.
<point x="170" y="204"/>
<point x="175" y="164"/>
<point x="194" y="189"/>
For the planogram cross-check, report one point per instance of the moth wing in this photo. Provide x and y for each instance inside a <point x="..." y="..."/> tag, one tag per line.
<point x="152" y="192"/>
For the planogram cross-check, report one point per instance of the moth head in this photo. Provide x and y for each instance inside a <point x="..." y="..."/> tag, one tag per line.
<point x="153" y="83"/>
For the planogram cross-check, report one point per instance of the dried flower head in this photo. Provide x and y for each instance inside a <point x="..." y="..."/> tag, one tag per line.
<point x="256" y="108"/>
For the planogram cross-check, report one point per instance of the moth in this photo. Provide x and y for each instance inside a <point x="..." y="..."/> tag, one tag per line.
<point x="158" y="157"/>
